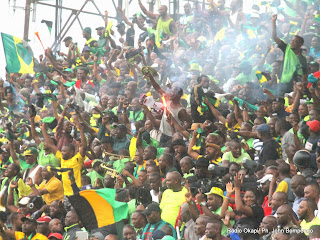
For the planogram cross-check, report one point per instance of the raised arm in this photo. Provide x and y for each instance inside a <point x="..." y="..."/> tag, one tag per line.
<point x="125" y="19"/>
<point x="237" y="112"/>
<point x="274" y="29"/>
<point x="95" y="69"/>
<point x="179" y="128"/>
<point x="47" y="139"/>
<point x="192" y="153"/>
<point x="146" y="12"/>
<point x="13" y="154"/>
<point x="215" y="112"/>
<point x="34" y="132"/>
<point x="315" y="98"/>
<point x="155" y="84"/>
<point x="146" y="111"/>
<point x="299" y="93"/>
<point x="83" y="146"/>
<point x="240" y="206"/>
<point x="139" y="140"/>
<point x="143" y="28"/>
<point x="135" y="181"/>
<point x="226" y="201"/>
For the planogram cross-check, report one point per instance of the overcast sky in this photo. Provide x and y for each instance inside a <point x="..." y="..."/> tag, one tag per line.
<point x="13" y="21"/>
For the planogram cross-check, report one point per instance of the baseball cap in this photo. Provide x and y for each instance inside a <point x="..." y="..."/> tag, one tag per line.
<point x="314" y="125"/>
<point x="289" y="94"/>
<point x="121" y="126"/>
<point x="265" y="178"/>
<point x="216" y="191"/>
<point x="151" y="207"/>
<point x="195" y="126"/>
<point x="24" y="201"/>
<point x="202" y="162"/>
<point x="99" y="28"/>
<point x="310" y="101"/>
<point x="51" y="121"/>
<point x="68" y="70"/>
<point x="263" y="128"/>
<point x="120" y="24"/>
<point x="44" y="219"/>
<point x="86" y="48"/>
<point x="279" y="99"/>
<point x="23" y="219"/>
<point x="87" y="29"/>
<point x="30" y="151"/>
<point x="67" y="39"/>
<point x="55" y="235"/>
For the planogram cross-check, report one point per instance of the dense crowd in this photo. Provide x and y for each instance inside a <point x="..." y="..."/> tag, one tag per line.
<point x="206" y="125"/>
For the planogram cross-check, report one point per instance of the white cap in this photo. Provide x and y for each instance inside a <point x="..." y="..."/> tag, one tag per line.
<point x="24" y="200"/>
<point x="288" y="94"/>
<point x="266" y="178"/>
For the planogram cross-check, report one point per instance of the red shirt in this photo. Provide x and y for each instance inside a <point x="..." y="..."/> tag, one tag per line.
<point x="265" y="205"/>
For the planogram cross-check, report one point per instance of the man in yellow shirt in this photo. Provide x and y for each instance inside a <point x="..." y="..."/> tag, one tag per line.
<point x="284" y="181"/>
<point x="51" y="187"/>
<point x="68" y="157"/>
<point x="29" y="226"/>
<point x="306" y="213"/>
<point x="172" y="198"/>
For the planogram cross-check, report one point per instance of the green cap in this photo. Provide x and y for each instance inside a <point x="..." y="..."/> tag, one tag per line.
<point x="310" y="101"/>
<point x="69" y="84"/>
<point x="30" y="151"/>
<point x="48" y="119"/>
<point x="88" y="30"/>
<point x="51" y="121"/>
<point x="54" y="82"/>
<point x="68" y="70"/>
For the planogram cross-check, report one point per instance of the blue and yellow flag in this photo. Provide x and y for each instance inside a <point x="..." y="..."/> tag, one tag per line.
<point x="18" y="54"/>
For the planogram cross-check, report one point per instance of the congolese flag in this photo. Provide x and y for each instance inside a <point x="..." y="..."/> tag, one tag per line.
<point x="18" y="54"/>
<point x="98" y="208"/>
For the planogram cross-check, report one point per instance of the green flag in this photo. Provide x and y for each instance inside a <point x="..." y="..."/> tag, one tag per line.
<point x="19" y="56"/>
<point x="49" y="24"/>
<point x="291" y="65"/>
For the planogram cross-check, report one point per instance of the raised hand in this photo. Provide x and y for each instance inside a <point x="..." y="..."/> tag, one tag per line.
<point x="199" y="197"/>
<point x="238" y="180"/>
<point x="274" y="17"/>
<point x="226" y="219"/>
<point x="188" y="196"/>
<point x="229" y="188"/>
